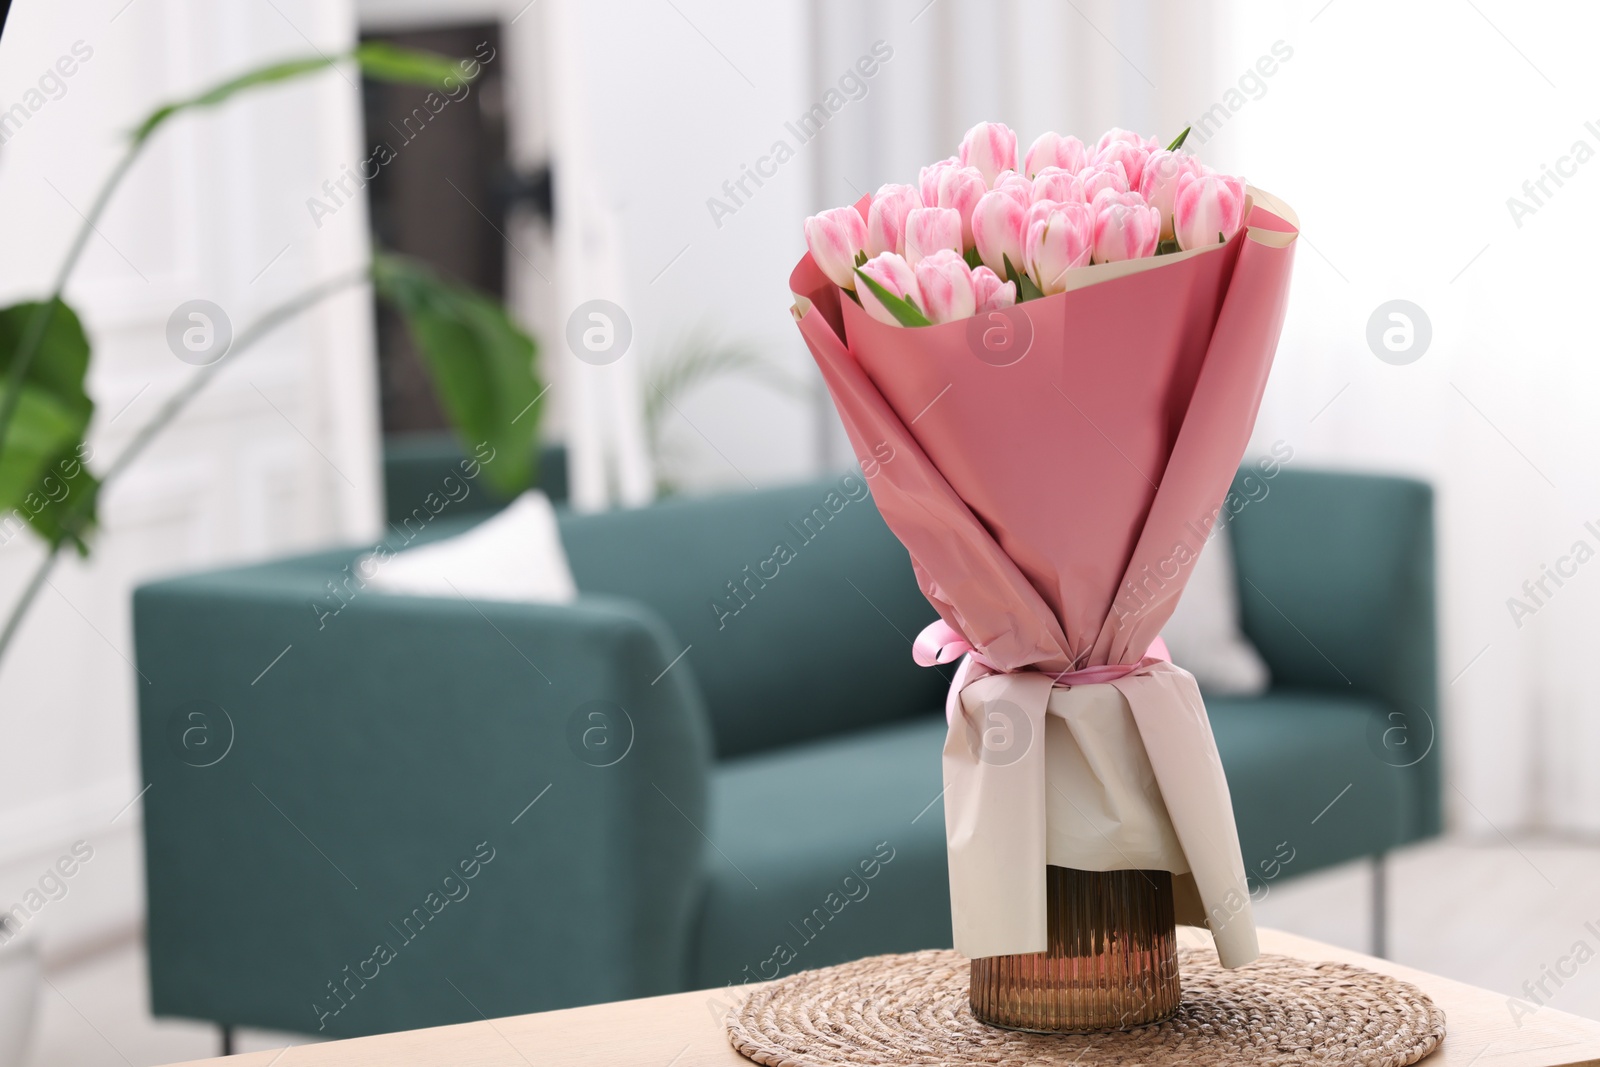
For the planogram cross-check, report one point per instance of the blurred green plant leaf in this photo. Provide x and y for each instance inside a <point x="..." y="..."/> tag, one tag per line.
<point x="390" y="63"/>
<point x="481" y="363"/>
<point x="379" y="61"/>
<point x="1177" y="142"/>
<point x="62" y="508"/>
<point x="41" y="478"/>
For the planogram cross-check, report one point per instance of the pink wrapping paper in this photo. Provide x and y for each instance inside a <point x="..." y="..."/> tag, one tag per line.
<point x="1052" y="507"/>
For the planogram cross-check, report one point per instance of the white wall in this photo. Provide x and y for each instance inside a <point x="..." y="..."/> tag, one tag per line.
<point x="280" y="454"/>
<point x="679" y="98"/>
<point x="1399" y="131"/>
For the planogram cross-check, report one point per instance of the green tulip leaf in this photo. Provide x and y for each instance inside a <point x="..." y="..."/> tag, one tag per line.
<point x="1026" y="290"/>
<point x="905" y="312"/>
<point x="1177" y="142"/>
<point x="974" y="261"/>
<point x="482" y="364"/>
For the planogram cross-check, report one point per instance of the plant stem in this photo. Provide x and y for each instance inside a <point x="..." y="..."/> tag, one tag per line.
<point x="28" y="348"/>
<point x="72" y="522"/>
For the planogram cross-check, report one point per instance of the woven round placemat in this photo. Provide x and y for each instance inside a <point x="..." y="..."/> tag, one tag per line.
<point x="911" y="1010"/>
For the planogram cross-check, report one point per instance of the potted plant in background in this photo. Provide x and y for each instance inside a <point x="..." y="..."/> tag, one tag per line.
<point x="700" y="359"/>
<point x="481" y="363"/>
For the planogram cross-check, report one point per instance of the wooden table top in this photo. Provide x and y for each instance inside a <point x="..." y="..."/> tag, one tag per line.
<point x="682" y="1030"/>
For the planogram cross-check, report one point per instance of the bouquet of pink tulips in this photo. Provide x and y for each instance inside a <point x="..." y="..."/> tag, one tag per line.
<point x="1054" y="464"/>
<point x="975" y="234"/>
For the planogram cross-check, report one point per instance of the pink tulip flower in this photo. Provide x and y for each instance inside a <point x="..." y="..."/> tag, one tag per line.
<point x="1060" y="238"/>
<point x="1207" y="208"/>
<point x="1098" y="176"/>
<point x="1116" y="134"/>
<point x="836" y="237"/>
<point x="991" y="147"/>
<point x="1054" y="150"/>
<point x="886" y="219"/>
<point x="1131" y="156"/>
<point x="929" y="229"/>
<point x="945" y="282"/>
<point x="959" y="188"/>
<point x="1125" y="227"/>
<point x="1041" y="209"/>
<point x="894" y="274"/>
<point x="1062" y="186"/>
<point x="991" y="293"/>
<point x="1000" y="230"/>
<point x="1159" y="184"/>
<point x="928" y="180"/>
<point x="1015" y="186"/>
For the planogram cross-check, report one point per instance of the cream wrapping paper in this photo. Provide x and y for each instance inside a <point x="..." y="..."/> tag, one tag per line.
<point x="1096" y="800"/>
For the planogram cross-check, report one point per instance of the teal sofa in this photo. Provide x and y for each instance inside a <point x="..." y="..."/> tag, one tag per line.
<point x="708" y="769"/>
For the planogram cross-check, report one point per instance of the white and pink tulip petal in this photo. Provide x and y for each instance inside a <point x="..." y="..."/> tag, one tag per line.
<point x="1054" y="150"/>
<point x="896" y="276"/>
<point x="1125" y="227"/>
<point x="991" y="293"/>
<point x="1060" y="238"/>
<point x="1208" y="208"/>
<point x="836" y="237"/>
<point x="945" y="282"/>
<point x="886" y="219"/>
<point x="1000" y="230"/>
<point x="929" y="229"/>
<point x="991" y="147"/>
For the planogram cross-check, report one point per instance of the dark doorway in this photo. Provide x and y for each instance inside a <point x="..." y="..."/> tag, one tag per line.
<point x="437" y="196"/>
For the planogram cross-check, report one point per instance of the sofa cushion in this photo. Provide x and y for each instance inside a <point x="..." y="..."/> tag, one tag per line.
<point x="1309" y="779"/>
<point x="797" y="605"/>
<point x="786" y="887"/>
<point x="515" y="555"/>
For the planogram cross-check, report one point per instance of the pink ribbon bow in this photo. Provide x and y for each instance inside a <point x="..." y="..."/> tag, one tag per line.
<point x="941" y="643"/>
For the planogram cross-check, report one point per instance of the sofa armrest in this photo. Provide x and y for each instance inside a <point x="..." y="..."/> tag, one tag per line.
<point x="1336" y="589"/>
<point x="320" y="786"/>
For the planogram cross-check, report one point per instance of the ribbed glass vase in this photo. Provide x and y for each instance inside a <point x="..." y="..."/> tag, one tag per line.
<point x="1112" y="963"/>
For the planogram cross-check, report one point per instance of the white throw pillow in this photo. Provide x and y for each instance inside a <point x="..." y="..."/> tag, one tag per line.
<point x="1203" y="634"/>
<point x="515" y="555"/>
